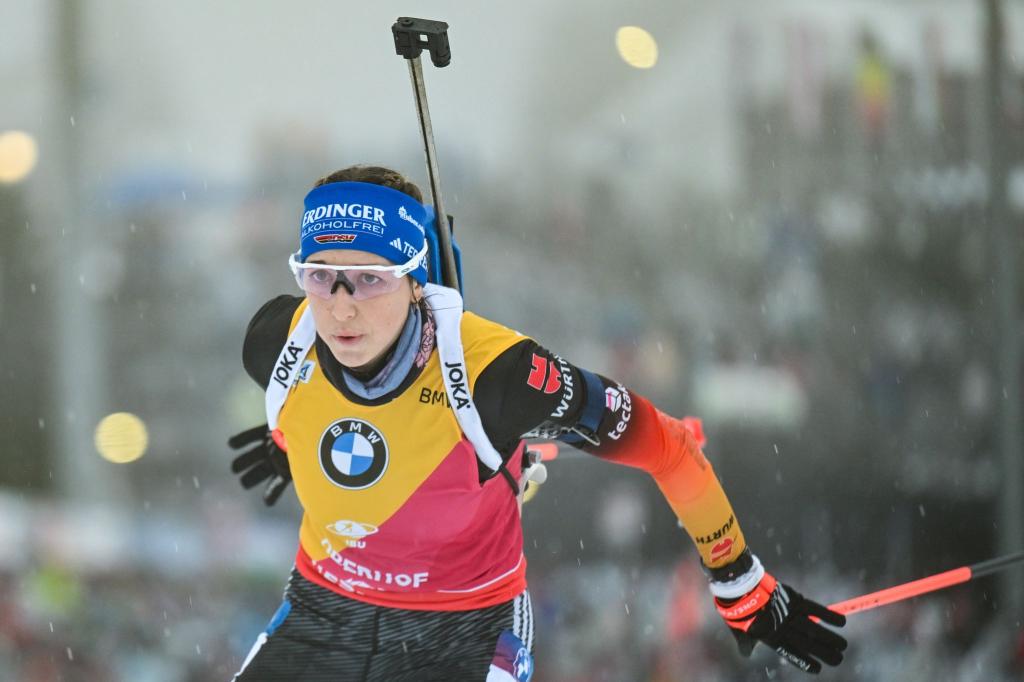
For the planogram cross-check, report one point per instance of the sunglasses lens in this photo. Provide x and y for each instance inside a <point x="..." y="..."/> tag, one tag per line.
<point x="361" y="284"/>
<point x="318" y="281"/>
<point x="370" y="283"/>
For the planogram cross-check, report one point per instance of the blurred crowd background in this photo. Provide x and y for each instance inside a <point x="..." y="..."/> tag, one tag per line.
<point x="799" y="220"/>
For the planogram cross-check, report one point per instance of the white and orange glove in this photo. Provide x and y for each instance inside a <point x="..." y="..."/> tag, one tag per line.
<point x="757" y="608"/>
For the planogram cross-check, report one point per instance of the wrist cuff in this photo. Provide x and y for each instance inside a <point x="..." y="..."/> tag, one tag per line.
<point x="736" y="587"/>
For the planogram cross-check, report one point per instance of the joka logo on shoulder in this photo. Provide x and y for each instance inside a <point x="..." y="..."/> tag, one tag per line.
<point x="353" y="454"/>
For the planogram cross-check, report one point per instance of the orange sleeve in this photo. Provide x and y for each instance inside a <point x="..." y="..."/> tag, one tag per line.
<point x="665" y="448"/>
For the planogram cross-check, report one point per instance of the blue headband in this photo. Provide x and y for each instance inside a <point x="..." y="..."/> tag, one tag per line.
<point x="365" y="217"/>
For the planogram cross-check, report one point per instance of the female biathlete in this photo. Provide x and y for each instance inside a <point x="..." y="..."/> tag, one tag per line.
<point x="400" y="417"/>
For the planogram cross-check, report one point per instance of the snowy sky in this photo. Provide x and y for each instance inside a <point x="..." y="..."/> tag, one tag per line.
<point x="195" y="84"/>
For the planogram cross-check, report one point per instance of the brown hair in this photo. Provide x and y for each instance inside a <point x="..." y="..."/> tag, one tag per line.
<point x="377" y="175"/>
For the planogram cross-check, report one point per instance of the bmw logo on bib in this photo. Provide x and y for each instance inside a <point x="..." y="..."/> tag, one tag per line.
<point x="353" y="454"/>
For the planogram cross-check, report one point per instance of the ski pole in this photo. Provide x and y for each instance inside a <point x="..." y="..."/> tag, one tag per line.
<point x="411" y="37"/>
<point x="889" y="595"/>
<point x="939" y="581"/>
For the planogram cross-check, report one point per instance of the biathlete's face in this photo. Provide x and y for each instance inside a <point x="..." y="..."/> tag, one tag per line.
<point x="360" y="330"/>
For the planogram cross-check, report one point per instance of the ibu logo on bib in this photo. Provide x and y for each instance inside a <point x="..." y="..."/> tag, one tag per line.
<point x="353" y="454"/>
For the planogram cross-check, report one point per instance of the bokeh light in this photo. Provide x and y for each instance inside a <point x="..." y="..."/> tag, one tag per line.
<point x="18" y="155"/>
<point x="121" y="437"/>
<point x="637" y="47"/>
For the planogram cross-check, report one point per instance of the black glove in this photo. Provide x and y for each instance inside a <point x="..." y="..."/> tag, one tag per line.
<point x="782" y="618"/>
<point x="264" y="460"/>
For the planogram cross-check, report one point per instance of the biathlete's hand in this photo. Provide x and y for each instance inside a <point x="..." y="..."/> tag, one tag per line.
<point x="264" y="461"/>
<point x="783" y="619"/>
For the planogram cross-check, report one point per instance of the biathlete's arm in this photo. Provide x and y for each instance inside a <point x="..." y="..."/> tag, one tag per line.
<point x="529" y="391"/>
<point x="266" y="335"/>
